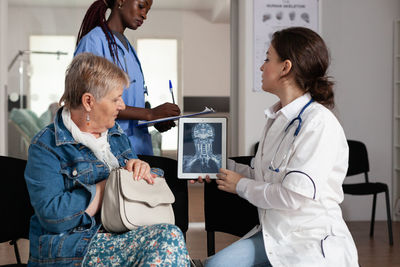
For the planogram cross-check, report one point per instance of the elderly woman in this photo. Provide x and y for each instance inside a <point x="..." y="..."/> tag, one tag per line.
<point x="69" y="162"/>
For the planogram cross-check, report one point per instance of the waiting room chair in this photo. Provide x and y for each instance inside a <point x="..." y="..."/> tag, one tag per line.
<point x="15" y="204"/>
<point x="178" y="187"/>
<point x="359" y="164"/>
<point x="226" y="212"/>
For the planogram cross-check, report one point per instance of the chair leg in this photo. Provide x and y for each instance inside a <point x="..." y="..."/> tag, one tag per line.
<point x="16" y="251"/>
<point x="210" y="243"/>
<point x="371" y="231"/>
<point x="389" y="217"/>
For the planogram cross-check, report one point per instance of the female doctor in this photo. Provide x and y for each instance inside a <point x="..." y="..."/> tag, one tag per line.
<point x="296" y="182"/>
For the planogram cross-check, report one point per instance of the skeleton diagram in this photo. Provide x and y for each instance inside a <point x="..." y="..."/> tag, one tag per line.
<point x="204" y="161"/>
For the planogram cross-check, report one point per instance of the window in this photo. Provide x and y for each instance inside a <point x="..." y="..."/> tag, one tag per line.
<point x="159" y="59"/>
<point x="48" y="70"/>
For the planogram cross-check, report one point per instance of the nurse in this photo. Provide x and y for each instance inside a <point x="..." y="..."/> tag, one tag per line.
<point x="106" y="38"/>
<point x="296" y="182"/>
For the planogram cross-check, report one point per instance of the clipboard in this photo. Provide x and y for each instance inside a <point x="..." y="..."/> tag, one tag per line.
<point x="150" y="123"/>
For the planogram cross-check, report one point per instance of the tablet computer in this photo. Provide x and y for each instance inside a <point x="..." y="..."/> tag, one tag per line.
<point x="201" y="147"/>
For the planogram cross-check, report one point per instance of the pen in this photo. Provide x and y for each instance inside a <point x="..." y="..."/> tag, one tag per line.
<point x="172" y="92"/>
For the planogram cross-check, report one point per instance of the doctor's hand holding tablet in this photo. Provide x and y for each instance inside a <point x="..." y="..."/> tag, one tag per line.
<point x="226" y="180"/>
<point x="296" y="177"/>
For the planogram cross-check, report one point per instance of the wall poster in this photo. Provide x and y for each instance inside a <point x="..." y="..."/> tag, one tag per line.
<point x="273" y="15"/>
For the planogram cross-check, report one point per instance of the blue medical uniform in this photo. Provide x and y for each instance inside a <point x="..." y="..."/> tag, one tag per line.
<point x="95" y="42"/>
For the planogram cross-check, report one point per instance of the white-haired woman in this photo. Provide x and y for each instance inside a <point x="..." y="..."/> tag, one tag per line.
<point x="68" y="164"/>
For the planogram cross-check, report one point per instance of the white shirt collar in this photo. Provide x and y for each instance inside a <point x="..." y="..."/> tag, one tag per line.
<point x="290" y="111"/>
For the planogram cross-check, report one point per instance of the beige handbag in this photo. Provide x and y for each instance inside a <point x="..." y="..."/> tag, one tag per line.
<point x="128" y="204"/>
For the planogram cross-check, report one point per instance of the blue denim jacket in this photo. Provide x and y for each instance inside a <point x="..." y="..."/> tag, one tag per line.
<point x="61" y="175"/>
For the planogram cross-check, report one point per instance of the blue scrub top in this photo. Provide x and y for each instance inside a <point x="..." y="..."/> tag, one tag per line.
<point x="95" y="42"/>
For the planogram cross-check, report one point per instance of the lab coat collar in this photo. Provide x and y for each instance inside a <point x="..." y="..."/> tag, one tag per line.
<point x="271" y="112"/>
<point x="290" y="111"/>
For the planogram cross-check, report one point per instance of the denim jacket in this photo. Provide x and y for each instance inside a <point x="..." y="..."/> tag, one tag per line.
<point x="61" y="175"/>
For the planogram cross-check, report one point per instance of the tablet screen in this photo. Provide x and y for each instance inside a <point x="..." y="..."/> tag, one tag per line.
<point x="201" y="147"/>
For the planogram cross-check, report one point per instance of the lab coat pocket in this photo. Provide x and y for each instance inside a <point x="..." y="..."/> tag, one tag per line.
<point x="303" y="254"/>
<point x="332" y="248"/>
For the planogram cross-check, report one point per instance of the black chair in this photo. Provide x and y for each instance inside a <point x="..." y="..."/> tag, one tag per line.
<point x="226" y="212"/>
<point x="359" y="164"/>
<point x="178" y="187"/>
<point x="15" y="204"/>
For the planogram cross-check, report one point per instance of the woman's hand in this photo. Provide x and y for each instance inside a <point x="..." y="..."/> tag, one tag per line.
<point x="95" y="205"/>
<point x="141" y="170"/>
<point x="227" y="180"/>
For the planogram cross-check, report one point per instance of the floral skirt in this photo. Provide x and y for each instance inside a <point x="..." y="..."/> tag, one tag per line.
<point x="155" y="245"/>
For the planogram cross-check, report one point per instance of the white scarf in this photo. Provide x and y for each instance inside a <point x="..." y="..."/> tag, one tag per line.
<point x="99" y="146"/>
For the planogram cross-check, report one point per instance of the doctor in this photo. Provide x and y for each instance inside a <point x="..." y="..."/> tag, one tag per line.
<point x="106" y="38"/>
<point x="296" y="182"/>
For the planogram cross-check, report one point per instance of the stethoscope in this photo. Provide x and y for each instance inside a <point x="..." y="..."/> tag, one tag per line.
<point x="274" y="167"/>
<point x="145" y="91"/>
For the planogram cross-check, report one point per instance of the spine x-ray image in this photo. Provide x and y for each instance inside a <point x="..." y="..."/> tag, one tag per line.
<point x="202" y="148"/>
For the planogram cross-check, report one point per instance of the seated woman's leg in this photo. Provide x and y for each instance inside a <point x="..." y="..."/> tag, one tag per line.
<point x="156" y="245"/>
<point x="165" y="245"/>
<point x="243" y="253"/>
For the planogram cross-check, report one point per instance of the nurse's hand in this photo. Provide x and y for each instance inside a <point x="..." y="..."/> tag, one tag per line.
<point x="227" y="180"/>
<point x="164" y="126"/>
<point x="163" y="111"/>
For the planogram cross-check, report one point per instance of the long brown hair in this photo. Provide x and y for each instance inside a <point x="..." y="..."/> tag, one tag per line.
<point x="310" y="61"/>
<point x="96" y="16"/>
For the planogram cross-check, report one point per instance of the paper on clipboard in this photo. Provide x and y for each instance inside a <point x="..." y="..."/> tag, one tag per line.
<point x="150" y="123"/>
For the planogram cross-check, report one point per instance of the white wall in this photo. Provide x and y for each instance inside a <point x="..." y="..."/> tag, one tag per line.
<point x="359" y="34"/>
<point x="251" y="104"/>
<point x="205" y="58"/>
<point x="3" y="76"/>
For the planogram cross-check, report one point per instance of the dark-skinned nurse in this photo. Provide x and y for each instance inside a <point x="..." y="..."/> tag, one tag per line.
<point x="105" y="37"/>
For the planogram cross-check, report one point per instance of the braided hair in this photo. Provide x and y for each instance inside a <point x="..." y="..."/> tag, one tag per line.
<point x="96" y="16"/>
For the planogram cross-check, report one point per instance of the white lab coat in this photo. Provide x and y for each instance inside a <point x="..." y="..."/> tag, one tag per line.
<point x="298" y="207"/>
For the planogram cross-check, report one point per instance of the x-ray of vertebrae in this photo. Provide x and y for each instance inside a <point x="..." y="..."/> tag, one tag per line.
<point x="205" y="139"/>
